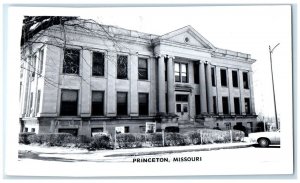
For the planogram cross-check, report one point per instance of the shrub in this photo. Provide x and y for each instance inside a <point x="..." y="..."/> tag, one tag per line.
<point x="126" y="140"/>
<point x="175" y="139"/>
<point x="100" y="142"/>
<point x="154" y="139"/>
<point x="53" y="139"/>
<point x="193" y="137"/>
<point x="24" y="137"/>
<point x="237" y="135"/>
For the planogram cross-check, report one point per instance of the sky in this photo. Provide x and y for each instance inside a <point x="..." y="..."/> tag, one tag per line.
<point x="247" y="29"/>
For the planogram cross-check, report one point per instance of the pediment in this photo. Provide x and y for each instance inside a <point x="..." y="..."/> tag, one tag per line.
<point x="189" y="36"/>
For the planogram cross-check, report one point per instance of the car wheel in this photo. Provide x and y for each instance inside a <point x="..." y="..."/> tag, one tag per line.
<point x="263" y="142"/>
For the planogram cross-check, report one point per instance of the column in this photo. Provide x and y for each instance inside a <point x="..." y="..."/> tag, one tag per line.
<point x="252" y="104"/>
<point x="111" y="94"/>
<point x="85" y="90"/>
<point x="25" y="87"/>
<point x="161" y="84"/>
<point x="209" y="88"/>
<point x="230" y="92"/>
<point x="170" y="79"/>
<point x="242" y="100"/>
<point x="134" y="110"/>
<point x="203" y="102"/>
<point x="219" y="91"/>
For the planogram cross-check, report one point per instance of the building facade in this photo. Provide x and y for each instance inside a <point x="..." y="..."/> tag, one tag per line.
<point x="95" y="78"/>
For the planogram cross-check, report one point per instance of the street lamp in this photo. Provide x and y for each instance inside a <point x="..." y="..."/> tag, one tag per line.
<point x="271" y="51"/>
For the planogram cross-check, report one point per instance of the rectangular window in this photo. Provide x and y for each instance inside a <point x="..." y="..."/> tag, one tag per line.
<point x="126" y="129"/>
<point x="73" y="131"/>
<point x="247" y="105"/>
<point x="31" y="103"/>
<point x="228" y="126"/>
<point x="142" y="129"/>
<point x="143" y="69"/>
<point x="69" y="102"/>
<point x="213" y="79"/>
<point x="182" y="98"/>
<point x="215" y="104"/>
<point x="225" y="105"/>
<point x="197" y="104"/>
<point x="237" y="105"/>
<point x="143" y="104"/>
<point x="26" y="130"/>
<point x="245" y="80"/>
<point x="38" y="101"/>
<point x="33" y="130"/>
<point x="181" y="72"/>
<point x="122" y="66"/>
<point x="98" y="64"/>
<point x="122" y="103"/>
<point x="184" y="73"/>
<point x="223" y="77"/>
<point x="97" y="103"/>
<point x="95" y="131"/>
<point x="196" y="72"/>
<point x="166" y="70"/>
<point x="177" y="72"/>
<point x="41" y="60"/>
<point x="235" y="82"/>
<point x="71" y="61"/>
<point x="33" y="66"/>
<point x="178" y="107"/>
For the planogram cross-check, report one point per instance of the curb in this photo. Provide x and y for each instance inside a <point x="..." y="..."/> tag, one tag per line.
<point x="178" y="151"/>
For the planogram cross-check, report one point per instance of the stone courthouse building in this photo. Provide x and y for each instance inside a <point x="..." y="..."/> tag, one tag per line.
<point x="93" y="78"/>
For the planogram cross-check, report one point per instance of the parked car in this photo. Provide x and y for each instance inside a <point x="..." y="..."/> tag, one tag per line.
<point x="264" y="139"/>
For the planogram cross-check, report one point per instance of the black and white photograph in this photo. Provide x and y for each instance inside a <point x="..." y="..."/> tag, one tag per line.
<point x="166" y="90"/>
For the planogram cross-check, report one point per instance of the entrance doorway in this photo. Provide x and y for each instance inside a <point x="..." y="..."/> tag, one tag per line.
<point x="182" y="106"/>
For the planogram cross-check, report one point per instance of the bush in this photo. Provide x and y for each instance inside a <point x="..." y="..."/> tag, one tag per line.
<point x="126" y="140"/>
<point x="100" y="142"/>
<point x="154" y="139"/>
<point x="53" y="139"/>
<point x="175" y="139"/>
<point x="24" y="137"/>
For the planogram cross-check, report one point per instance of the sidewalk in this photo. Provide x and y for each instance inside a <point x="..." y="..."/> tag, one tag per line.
<point x="76" y="153"/>
<point x="175" y="149"/>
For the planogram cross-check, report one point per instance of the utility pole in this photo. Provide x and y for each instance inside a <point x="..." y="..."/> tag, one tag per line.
<point x="271" y="51"/>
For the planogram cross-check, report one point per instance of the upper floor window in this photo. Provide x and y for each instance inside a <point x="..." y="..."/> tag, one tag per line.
<point x="225" y="105"/>
<point x="143" y="69"/>
<point x="235" y="79"/>
<point x="213" y="79"/>
<point x="245" y="80"/>
<point x="247" y="105"/>
<point x="97" y="103"/>
<point x="71" y="61"/>
<point x="223" y="77"/>
<point x="143" y="104"/>
<point x="122" y="103"/>
<point x="98" y="64"/>
<point x="69" y="102"/>
<point x="122" y="63"/>
<point x="181" y="71"/>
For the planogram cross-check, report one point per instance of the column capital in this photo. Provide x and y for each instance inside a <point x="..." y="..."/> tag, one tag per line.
<point x="207" y="62"/>
<point x="159" y="55"/>
<point x="170" y="56"/>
